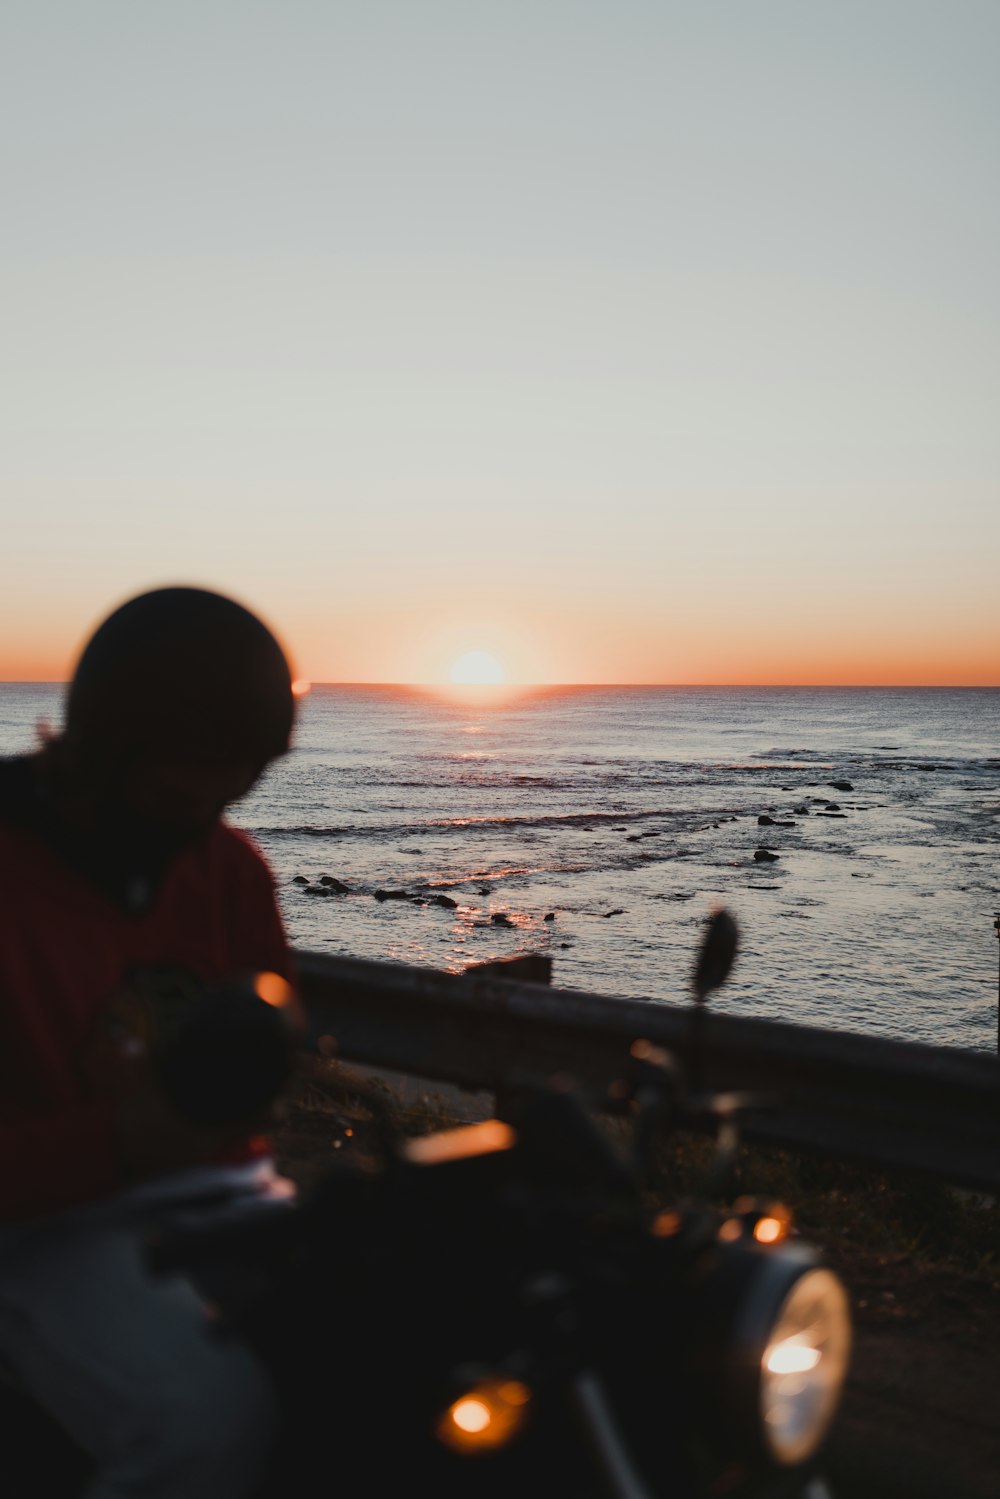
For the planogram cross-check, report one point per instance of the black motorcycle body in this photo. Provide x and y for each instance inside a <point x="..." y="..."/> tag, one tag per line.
<point x="516" y="1264"/>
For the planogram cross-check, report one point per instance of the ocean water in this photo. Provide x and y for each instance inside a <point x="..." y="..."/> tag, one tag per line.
<point x="628" y="814"/>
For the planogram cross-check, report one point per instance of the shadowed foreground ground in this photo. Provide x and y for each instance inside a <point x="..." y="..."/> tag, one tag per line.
<point x="920" y="1418"/>
<point x="922" y="1264"/>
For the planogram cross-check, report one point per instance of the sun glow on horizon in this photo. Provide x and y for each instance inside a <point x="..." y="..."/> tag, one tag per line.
<point x="477" y="669"/>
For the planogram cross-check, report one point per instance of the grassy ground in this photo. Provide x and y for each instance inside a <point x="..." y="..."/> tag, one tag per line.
<point x="921" y="1262"/>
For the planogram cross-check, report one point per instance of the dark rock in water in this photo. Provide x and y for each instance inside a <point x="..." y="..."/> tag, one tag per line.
<point x="715" y="824"/>
<point x="774" y="822"/>
<point x="549" y="916"/>
<point x="336" y="887"/>
<point x="418" y="900"/>
<point x="619" y="830"/>
<point x="565" y="945"/>
<point x="840" y="785"/>
<point x="649" y="835"/>
<point x="616" y="912"/>
<point x="500" y="918"/>
<point x="832" y="814"/>
<point x="314" y="890"/>
<point x="764" y="856"/>
<point x="633" y="838"/>
<point x="802" y="811"/>
<point x="393" y="895"/>
<point x="486" y="890"/>
<point x="833" y="806"/>
<point x="765" y="821"/>
<point x="300" y="879"/>
<point x="444" y="900"/>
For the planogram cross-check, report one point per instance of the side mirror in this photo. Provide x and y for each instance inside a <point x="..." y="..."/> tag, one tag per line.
<point x="716" y="956"/>
<point x="715" y="960"/>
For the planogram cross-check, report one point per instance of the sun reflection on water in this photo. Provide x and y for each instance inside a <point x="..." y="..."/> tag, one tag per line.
<point x="479" y="697"/>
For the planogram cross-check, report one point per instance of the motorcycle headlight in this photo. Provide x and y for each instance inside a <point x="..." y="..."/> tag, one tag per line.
<point x="803" y="1366"/>
<point x="771" y="1338"/>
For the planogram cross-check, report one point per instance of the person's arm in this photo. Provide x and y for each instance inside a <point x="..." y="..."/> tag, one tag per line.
<point x="123" y="1132"/>
<point x="52" y="1154"/>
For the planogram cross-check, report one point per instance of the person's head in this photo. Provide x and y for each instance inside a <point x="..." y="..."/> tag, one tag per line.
<point x="178" y="702"/>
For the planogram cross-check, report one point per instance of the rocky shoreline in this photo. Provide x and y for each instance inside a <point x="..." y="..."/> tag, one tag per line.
<point x="430" y="893"/>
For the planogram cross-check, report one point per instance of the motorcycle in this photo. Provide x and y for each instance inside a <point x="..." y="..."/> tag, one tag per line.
<point x="500" y="1307"/>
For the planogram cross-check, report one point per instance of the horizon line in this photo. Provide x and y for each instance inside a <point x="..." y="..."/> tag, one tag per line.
<point x="629" y="686"/>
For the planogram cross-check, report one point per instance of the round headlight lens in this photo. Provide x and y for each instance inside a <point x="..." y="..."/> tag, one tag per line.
<point x="804" y="1365"/>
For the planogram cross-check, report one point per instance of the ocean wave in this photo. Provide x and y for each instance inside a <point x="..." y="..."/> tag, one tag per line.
<point x="460" y="825"/>
<point x="482" y="782"/>
<point x="634" y="775"/>
<point x="809" y="756"/>
<point x="881" y="758"/>
<point x="503" y="872"/>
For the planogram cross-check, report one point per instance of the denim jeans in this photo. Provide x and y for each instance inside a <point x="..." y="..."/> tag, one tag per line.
<point x="126" y="1363"/>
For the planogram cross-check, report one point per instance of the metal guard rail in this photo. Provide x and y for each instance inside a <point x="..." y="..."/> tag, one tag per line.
<point x="891" y="1103"/>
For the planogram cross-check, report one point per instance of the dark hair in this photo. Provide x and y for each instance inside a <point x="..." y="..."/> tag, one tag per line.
<point x="181" y="671"/>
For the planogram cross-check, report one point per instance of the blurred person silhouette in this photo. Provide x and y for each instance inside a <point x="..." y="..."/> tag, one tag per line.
<point x="120" y="882"/>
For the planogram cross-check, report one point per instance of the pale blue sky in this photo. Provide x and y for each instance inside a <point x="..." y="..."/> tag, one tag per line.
<point x="634" y="324"/>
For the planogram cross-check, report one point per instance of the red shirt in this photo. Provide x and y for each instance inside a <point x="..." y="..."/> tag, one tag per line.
<point x="65" y="948"/>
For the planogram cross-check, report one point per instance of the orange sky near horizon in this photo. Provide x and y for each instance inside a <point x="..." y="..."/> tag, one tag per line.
<point x="717" y="649"/>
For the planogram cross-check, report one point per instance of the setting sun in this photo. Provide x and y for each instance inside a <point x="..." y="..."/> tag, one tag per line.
<point x="478" y="669"/>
